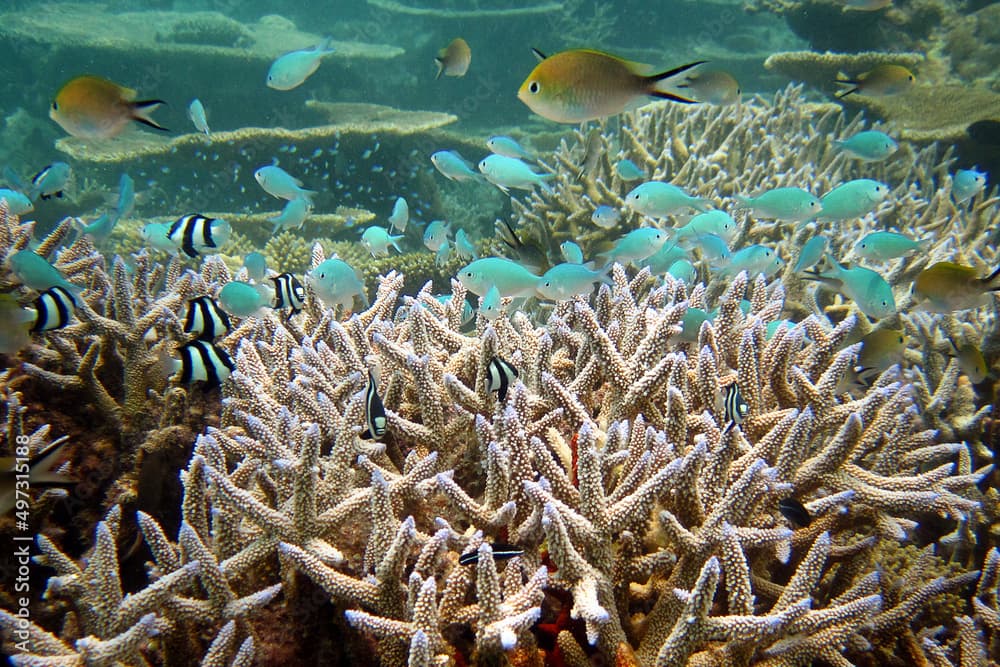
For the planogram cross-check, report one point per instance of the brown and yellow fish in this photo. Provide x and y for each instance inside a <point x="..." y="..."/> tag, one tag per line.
<point x="946" y="286"/>
<point x="20" y="475"/>
<point x="582" y="84"/>
<point x="90" y="107"/>
<point x="454" y="59"/>
<point x="879" y="81"/>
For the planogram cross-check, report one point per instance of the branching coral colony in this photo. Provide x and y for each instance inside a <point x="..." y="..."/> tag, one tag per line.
<point x="649" y="527"/>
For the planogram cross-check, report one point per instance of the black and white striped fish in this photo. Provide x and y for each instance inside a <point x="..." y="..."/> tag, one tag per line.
<point x="500" y="376"/>
<point x="288" y="293"/>
<point x="734" y="406"/>
<point x="375" y="420"/>
<point x="500" y="552"/>
<point x="203" y="361"/>
<point x="195" y="234"/>
<point x="53" y="309"/>
<point x="205" y="319"/>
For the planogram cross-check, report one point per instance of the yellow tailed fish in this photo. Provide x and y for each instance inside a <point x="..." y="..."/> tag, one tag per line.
<point x="946" y="286"/>
<point x="879" y="81"/>
<point x="454" y="59"/>
<point x="971" y="361"/>
<point x="90" y="107"/>
<point x="584" y="84"/>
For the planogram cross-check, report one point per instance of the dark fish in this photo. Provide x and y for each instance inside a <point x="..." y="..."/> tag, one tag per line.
<point x="500" y="376"/>
<point x="735" y="407"/>
<point x="39" y="474"/>
<point x="205" y="319"/>
<point x="500" y="552"/>
<point x="202" y="360"/>
<point x="591" y="153"/>
<point x="53" y="309"/>
<point x="795" y="512"/>
<point x="288" y="293"/>
<point x="374" y="412"/>
<point x="195" y="233"/>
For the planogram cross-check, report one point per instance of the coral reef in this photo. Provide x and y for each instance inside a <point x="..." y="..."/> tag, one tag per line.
<point x="466" y="14"/>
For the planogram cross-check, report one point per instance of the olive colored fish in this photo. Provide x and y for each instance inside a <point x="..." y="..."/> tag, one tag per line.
<point x="584" y="84"/>
<point x="90" y="107"/>
<point x="946" y="286"/>
<point x="454" y="59"/>
<point x="879" y="81"/>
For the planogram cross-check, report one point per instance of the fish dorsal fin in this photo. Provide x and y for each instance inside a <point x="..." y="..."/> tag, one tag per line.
<point x="538" y="54"/>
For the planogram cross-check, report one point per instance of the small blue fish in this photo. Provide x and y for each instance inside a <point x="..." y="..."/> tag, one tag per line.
<point x="126" y="197"/>
<point x="866" y="288"/>
<point x="713" y="248"/>
<point x="507" y="172"/>
<point x="280" y="184"/>
<point x="868" y="146"/>
<point x="443" y="254"/>
<point x="754" y="259"/>
<point x="508" y="148"/>
<point x="36" y="273"/>
<point x="684" y="271"/>
<point x="453" y="166"/>
<point x="719" y="223"/>
<point x="377" y="240"/>
<point x="292" y="69"/>
<point x="811" y="253"/>
<point x="464" y="246"/>
<point x="967" y="183"/>
<point x="336" y="283"/>
<point x="196" y="112"/>
<point x="490" y="305"/>
<point x="400" y="215"/>
<point x="509" y="277"/>
<point x="852" y="199"/>
<point x="293" y="216"/>
<point x="17" y="203"/>
<point x="783" y="204"/>
<point x="50" y="181"/>
<point x="256" y="265"/>
<point x="242" y="299"/>
<point x="664" y="258"/>
<point x="606" y="217"/>
<point x="883" y="246"/>
<point x="636" y="246"/>
<point x="629" y="171"/>
<point x="100" y="229"/>
<point x="436" y="235"/>
<point x="571" y="252"/>
<point x="691" y="324"/>
<point x="657" y="199"/>
<point x="564" y="281"/>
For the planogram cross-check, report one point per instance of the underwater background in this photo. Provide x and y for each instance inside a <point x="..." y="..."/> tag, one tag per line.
<point x="412" y="332"/>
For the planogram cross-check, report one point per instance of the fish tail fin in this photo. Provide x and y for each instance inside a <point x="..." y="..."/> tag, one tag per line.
<point x="671" y="96"/>
<point x="844" y="93"/>
<point x="440" y="63"/>
<point x="656" y="91"/>
<point x="701" y="204"/>
<point x="674" y="72"/>
<point x="141" y="113"/>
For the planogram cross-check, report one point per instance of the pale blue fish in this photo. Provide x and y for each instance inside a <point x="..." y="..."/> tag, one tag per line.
<point x="156" y="235"/>
<point x="716" y="222"/>
<point x="377" y="240"/>
<point x="509" y="277"/>
<point x="754" y="259"/>
<point x="291" y="69"/>
<point x="293" y="216"/>
<point x="256" y="265"/>
<point x="606" y="217"/>
<point x="464" y="246"/>
<point x="490" y="305"/>
<point x="15" y="325"/>
<point x="883" y="246"/>
<point x="35" y="272"/>
<point x="17" y="203"/>
<point x="629" y="171"/>
<point x="507" y="172"/>
<point x="684" y="271"/>
<point x="852" y="199"/>
<point x="868" y="146"/>
<point x="637" y="245"/>
<point x="508" y="148"/>
<point x="783" y="204"/>
<point x="100" y="229"/>
<point x="436" y="235"/>
<point x="772" y="327"/>
<point x="400" y="215"/>
<point x="453" y="166"/>
<point x="50" y="181"/>
<point x="812" y="251"/>
<point x="691" y="324"/>
<point x="571" y="252"/>
<point x="280" y="184"/>
<point x="664" y="258"/>
<point x="564" y="281"/>
<point x="196" y="112"/>
<point x="336" y="284"/>
<point x="657" y="199"/>
<point x="126" y="196"/>
<point x="866" y="288"/>
<point x="713" y="248"/>
<point x="467" y="311"/>
<point x="443" y="254"/>
<point x="965" y="184"/>
<point x="242" y="299"/>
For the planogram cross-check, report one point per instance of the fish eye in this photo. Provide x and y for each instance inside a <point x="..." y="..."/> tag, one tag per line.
<point x="534" y="87"/>
<point x="468" y="274"/>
